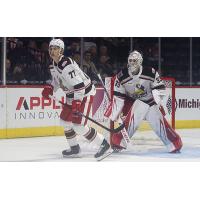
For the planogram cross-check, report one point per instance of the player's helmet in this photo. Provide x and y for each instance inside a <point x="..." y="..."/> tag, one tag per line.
<point x="134" y="62"/>
<point x="57" y="42"/>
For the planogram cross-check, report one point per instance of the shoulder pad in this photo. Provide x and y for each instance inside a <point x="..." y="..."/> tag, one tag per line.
<point x="64" y="62"/>
<point x="148" y="71"/>
<point x="123" y="74"/>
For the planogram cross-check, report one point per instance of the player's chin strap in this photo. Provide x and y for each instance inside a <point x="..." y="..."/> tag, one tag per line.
<point x="119" y="120"/>
<point x="120" y="128"/>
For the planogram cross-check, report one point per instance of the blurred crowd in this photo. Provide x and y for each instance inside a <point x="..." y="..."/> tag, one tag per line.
<point x="27" y="59"/>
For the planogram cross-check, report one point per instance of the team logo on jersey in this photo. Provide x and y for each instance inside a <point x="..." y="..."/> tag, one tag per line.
<point x="64" y="63"/>
<point x="139" y="89"/>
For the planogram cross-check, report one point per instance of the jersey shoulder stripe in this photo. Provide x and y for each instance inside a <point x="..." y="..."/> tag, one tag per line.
<point x="79" y="86"/>
<point x="64" y="62"/>
<point x="119" y="94"/>
<point x="149" y="72"/>
<point x="159" y="87"/>
<point x="123" y="74"/>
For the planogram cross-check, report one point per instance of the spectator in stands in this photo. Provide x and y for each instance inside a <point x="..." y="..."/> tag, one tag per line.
<point x="9" y="74"/>
<point x="105" y="67"/>
<point x="89" y="67"/>
<point x="45" y="53"/>
<point x="103" y="51"/>
<point x="18" y="73"/>
<point x="45" y="47"/>
<point x="94" y="56"/>
<point x="72" y="49"/>
<point x="12" y="42"/>
<point x="77" y="57"/>
<point x="16" y="52"/>
<point x="152" y="55"/>
<point x="34" y="54"/>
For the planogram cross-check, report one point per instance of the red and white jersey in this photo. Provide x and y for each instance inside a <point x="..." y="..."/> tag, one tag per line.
<point x="73" y="81"/>
<point x="139" y="86"/>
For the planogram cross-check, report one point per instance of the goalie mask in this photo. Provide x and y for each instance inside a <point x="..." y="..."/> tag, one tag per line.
<point x="134" y="62"/>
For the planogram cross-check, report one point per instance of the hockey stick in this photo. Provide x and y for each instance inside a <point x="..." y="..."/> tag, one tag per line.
<point x="92" y="120"/>
<point x="123" y="131"/>
<point x="101" y="125"/>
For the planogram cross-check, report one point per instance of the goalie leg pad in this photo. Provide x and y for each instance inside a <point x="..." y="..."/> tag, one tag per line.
<point x="173" y="137"/>
<point x="163" y="130"/>
<point x="135" y="116"/>
<point x="114" y="109"/>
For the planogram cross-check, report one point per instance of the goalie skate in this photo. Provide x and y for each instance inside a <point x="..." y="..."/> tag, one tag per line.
<point x="74" y="152"/>
<point x="103" y="151"/>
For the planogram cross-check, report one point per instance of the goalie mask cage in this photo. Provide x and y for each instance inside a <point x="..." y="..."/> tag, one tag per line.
<point x="101" y="102"/>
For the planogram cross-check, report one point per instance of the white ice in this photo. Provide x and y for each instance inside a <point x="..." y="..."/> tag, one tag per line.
<point x="145" y="147"/>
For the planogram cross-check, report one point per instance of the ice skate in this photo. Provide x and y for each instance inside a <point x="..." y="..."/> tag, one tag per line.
<point x="118" y="143"/>
<point x="74" y="152"/>
<point x="103" y="151"/>
<point x="117" y="149"/>
<point x="178" y="144"/>
<point x="176" y="151"/>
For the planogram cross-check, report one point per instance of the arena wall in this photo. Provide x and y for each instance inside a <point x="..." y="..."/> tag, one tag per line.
<point x="25" y="113"/>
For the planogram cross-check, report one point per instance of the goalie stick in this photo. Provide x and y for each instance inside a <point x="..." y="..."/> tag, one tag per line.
<point x="121" y="127"/>
<point x="123" y="131"/>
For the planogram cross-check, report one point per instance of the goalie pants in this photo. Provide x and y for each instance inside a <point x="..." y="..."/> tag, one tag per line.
<point x="141" y="111"/>
<point x="79" y="125"/>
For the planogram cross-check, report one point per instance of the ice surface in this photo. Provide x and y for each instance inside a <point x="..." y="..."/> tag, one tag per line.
<point x="145" y="147"/>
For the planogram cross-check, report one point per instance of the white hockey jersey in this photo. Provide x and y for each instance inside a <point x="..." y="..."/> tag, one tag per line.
<point x="73" y="81"/>
<point x="139" y="86"/>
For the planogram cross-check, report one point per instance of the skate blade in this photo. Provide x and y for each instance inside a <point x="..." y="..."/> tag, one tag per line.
<point x="108" y="153"/>
<point x="73" y="156"/>
<point x="175" y="152"/>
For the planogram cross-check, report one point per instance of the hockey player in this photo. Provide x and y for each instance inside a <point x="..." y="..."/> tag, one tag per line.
<point x="135" y="85"/>
<point x="79" y="91"/>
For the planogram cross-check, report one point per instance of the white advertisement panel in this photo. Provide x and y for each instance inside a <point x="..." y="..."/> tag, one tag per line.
<point x="24" y="107"/>
<point x="27" y="108"/>
<point x="188" y="103"/>
<point x="3" y="108"/>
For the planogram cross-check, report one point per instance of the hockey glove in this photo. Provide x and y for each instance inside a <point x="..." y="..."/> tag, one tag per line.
<point x="76" y="105"/>
<point x="48" y="90"/>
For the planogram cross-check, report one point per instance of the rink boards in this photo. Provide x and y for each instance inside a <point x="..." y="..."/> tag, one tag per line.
<point x="24" y="113"/>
